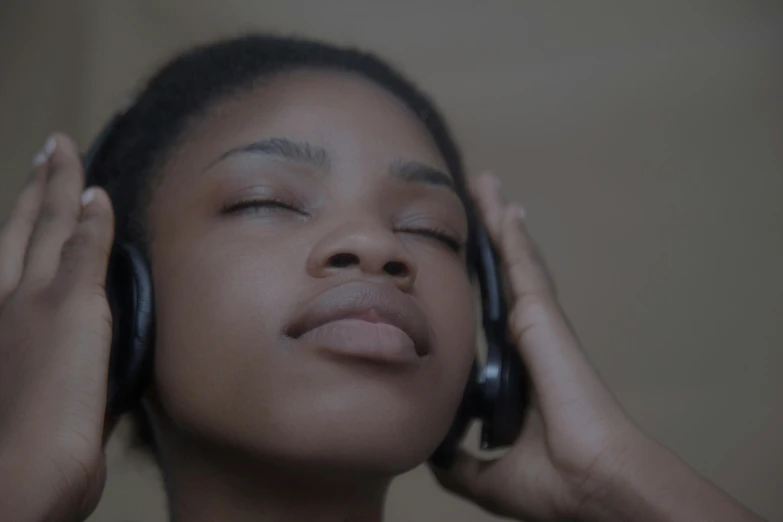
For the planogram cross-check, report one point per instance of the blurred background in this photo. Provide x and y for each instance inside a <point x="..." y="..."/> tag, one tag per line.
<point x="645" y="140"/>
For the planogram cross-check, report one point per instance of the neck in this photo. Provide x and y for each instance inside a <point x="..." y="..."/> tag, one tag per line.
<point x="207" y="484"/>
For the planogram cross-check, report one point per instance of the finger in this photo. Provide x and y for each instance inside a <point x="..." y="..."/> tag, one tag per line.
<point x="530" y="284"/>
<point x="85" y="256"/>
<point x="59" y="213"/>
<point x="15" y="234"/>
<point x="527" y="273"/>
<point x="466" y="477"/>
<point x="561" y="371"/>
<point x="482" y="477"/>
<point x="537" y="323"/>
<point x="487" y="195"/>
<point x="493" y="484"/>
<point x="496" y="215"/>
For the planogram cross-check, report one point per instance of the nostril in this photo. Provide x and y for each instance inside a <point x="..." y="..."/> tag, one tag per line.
<point x="343" y="260"/>
<point x="396" y="269"/>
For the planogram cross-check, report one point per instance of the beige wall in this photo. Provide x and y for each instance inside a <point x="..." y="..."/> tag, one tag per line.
<point x="646" y="142"/>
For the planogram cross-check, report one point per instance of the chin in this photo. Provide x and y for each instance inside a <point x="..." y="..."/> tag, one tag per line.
<point x="296" y="409"/>
<point x="372" y="432"/>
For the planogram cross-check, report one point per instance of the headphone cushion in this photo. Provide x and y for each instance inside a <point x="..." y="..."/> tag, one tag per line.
<point x="129" y="292"/>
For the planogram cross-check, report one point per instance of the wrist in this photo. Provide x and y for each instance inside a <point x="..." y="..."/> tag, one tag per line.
<point x="609" y="482"/>
<point x="32" y="491"/>
<point x="650" y="483"/>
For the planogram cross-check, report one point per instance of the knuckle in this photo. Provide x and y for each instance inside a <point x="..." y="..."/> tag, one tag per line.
<point x="65" y="171"/>
<point x="50" y="212"/>
<point x="97" y="225"/>
<point x="21" y="309"/>
<point x="57" y="168"/>
<point x="23" y="295"/>
<point x="80" y="241"/>
<point x="53" y="225"/>
<point x="58" y="208"/>
<point x="85" y="309"/>
<point x="516" y="262"/>
<point x="528" y="312"/>
<point x="68" y="145"/>
<point x="89" y="298"/>
<point x="33" y="287"/>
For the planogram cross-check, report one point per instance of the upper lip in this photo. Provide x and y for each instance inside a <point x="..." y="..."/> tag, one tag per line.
<point x="368" y="301"/>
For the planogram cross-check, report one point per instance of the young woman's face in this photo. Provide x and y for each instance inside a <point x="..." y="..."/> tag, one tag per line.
<point x="312" y="298"/>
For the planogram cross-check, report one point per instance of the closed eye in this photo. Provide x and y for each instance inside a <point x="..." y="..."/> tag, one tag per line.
<point x="446" y="238"/>
<point x="258" y="205"/>
<point x="275" y="204"/>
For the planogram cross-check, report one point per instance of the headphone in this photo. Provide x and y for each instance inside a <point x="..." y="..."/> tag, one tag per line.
<point x="496" y="393"/>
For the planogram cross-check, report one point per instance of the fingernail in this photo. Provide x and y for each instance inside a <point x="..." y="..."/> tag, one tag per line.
<point x="39" y="159"/>
<point x="487" y="174"/>
<point x="87" y="196"/>
<point x="49" y="146"/>
<point x="45" y="153"/>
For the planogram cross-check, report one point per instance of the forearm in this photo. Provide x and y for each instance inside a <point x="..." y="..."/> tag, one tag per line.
<point x="654" y="485"/>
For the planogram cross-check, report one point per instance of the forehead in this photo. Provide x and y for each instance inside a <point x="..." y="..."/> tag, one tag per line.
<point x="345" y="113"/>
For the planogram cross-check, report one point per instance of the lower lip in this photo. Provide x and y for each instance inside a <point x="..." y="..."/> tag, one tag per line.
<point x="357" y="338"/>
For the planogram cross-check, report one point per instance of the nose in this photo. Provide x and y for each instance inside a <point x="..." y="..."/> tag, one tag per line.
<point x="370" y="250"/>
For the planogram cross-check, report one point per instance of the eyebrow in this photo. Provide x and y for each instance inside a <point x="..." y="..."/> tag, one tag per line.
<point x="283" y="148"/>
<point x="416" y="172"/>
<point x="303" y="152"/>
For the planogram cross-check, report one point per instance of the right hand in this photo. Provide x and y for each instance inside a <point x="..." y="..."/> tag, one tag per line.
<point x="55" y="338"/>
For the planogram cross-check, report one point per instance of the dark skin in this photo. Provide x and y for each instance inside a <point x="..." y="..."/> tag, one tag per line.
<point x="256" y="422"/>
<point x="239" y="280"/>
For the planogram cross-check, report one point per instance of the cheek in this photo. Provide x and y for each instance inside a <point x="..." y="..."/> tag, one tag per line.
<point x="448" y="297"/>
<point x="218" y="334"/>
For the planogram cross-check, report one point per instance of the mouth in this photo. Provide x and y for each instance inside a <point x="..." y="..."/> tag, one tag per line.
<point x="365" y="320"/>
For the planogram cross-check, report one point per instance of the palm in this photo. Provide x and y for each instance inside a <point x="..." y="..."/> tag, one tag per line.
<point x="573" y="419"/>
<point x="55" y="333"/>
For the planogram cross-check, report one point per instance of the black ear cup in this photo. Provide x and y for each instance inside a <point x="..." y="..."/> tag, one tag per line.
<point x="502" y="399"/>
<point x="496" y="394"/>
<point x="129" y="292"/>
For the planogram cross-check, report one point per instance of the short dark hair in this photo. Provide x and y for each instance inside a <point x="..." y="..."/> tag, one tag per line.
<point x="130" y="160"/>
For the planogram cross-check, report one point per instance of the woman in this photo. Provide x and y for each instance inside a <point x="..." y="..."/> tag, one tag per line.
<point x="270" y="181"/>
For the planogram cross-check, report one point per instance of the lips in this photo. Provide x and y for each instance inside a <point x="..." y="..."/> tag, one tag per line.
<point x="366" y="320"/>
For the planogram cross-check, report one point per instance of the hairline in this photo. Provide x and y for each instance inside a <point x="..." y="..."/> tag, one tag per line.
<point x="202" y="113"/>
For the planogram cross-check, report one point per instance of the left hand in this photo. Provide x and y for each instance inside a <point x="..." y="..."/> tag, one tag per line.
<point x="576" y="435"/>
